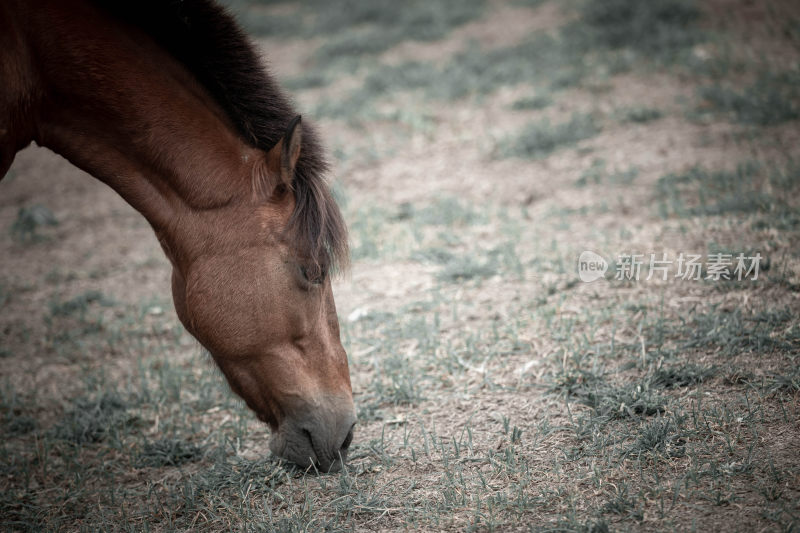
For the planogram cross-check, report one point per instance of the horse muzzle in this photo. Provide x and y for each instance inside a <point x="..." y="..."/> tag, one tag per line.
<point x="316" y="437"/>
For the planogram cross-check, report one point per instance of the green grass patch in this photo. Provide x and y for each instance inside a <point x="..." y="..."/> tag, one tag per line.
<point x="232" y="473"/>
<point x="681" y="375"/>
<point x="395" y="22"/>
<point x="474" y="71"/>
<point x="363" y="27"/>
<point x="357" y="27"/>
<point x="460" y="269"/>
<point x="750" y="188"/>
<point x="5" y="295"/>
<point x="660" y="29"/>
<point x="641" y="115"/>
<point x="257" y="19"/>
<point x="629" y="400"/>
<point x="434" y="254"/>
<point x="443" y="211"/>
<point x="598" y="174"/>
<point x="622" y="503"/>
<point x="735" y="332"/>
<point x="787" y="382"/>
<point x="30" y="220"/>
<point x="481" y="71"/>
<point x="15" y="419"/>
<point x="714" y="331"/>
<point x="308" y="80"/>
<point x="476" y="264"/>
<point x="664" y="436"/>
<point x="540" y="139"/>
<point x="220" y="491"/>
<point x="529" y="3"/>
<point x="78" y="305"/>
<point x="773" y="98"/>
<point x="785" y="220"/>
<point x="532" y="102"/>
<point x="609" y="400"/>
<point x="94" y="419"/>
<point x="168" y="451"/>
<point x="19" y="424"/>
<point x="596" y="45"/>
<point x="397" y="383"/>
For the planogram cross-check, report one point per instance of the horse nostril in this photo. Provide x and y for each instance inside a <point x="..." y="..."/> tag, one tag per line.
<point x="307" y="433"/>
<point x="348" y="439"/>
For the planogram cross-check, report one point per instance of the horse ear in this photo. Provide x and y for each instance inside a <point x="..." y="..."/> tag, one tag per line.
<point x="281" y="161"/>
<point x="291" y="150"/>
<point x="282" y="158"/>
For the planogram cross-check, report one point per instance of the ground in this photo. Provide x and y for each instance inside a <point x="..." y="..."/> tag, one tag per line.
<point x="478" y="147"/>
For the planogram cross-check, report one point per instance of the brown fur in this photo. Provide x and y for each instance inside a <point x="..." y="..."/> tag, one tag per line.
<point x="166" y="103"/>
<point x="209" y="43"/>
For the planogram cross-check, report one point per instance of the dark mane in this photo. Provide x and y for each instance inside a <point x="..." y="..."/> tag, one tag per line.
<point x="207" y="40"/>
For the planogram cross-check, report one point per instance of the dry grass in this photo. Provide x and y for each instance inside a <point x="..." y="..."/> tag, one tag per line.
<point x="495" y="390"/>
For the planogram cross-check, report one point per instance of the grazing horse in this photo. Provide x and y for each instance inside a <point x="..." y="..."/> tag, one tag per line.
<point x="166" y="102"/>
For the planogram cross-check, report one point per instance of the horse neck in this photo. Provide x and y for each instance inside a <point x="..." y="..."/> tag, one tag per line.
<point x="120" y="108"/>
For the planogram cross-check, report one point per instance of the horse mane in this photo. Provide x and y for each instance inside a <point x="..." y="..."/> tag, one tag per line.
<point x="206" y="39"/>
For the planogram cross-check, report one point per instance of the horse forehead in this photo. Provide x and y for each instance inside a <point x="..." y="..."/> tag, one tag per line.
<point x="274" y="216"/>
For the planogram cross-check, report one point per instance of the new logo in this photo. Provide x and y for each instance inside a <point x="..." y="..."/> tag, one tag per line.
<point x="591" y="266"/>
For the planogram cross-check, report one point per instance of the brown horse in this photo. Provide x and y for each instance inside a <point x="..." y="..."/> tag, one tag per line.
<point x="166" y="102"/>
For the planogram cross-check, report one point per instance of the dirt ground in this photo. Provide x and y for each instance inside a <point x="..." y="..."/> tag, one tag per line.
<point x="495" y="389"/>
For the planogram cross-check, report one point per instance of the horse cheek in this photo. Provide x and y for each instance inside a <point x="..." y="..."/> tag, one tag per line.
<point x="220" y="315"/>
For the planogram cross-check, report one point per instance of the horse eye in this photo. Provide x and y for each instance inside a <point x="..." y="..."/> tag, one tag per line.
<point x="314" y="276"/>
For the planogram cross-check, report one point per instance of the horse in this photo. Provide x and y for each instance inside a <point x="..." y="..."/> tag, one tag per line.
<point x="167" y="102"/>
